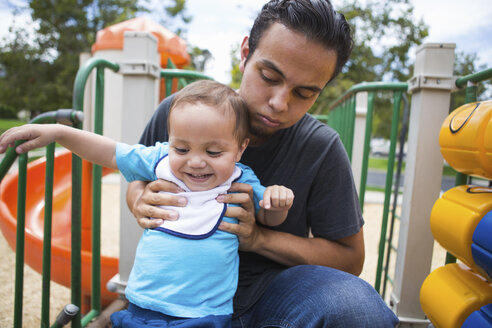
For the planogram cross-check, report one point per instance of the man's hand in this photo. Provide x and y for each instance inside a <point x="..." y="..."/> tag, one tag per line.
<point x="345" y="254"/>
<point x="144" y="201"/>
<point x="246" y="230"/>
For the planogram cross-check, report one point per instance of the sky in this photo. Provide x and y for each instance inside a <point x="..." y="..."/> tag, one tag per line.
<point x="466" y="23"/>
<point x="220" y="25"/>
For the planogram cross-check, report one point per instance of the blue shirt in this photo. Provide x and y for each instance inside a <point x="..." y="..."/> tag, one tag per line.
<point x="177" y="276"/>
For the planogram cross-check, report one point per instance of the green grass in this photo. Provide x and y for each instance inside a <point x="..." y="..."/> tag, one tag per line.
<point x="7" y="124"/>
<point x="378" y="163"/>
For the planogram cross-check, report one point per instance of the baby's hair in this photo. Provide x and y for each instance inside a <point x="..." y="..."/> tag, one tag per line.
<point x="218" y="96"/>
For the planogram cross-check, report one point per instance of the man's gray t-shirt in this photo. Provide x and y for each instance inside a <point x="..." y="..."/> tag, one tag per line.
<point x="308" y="158"/>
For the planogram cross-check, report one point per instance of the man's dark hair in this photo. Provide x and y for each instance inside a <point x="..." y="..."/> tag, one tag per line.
<point x="316" y="19"/>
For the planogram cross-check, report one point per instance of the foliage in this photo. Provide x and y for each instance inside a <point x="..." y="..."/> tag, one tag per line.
<point x="199" y="58"/>
<point x="7" y="113"/>
<point x="37" y="71"/>
<point x="465" y="64"/>
<point x="385" y="32"/>
<point x="7" y="124"/>
<point x="235" y="72"/>
<point x="169" y="13"/>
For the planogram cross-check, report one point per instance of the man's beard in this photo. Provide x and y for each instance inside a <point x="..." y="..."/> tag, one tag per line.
<point x="258" y="133"/>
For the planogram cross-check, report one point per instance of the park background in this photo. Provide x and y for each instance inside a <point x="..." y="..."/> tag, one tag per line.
<point x="40" y="42"/>
<point x="39" y="58"/>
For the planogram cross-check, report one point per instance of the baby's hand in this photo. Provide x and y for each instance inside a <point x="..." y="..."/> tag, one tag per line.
<point x="35" y="135"/>
<point x="277" y="198"/>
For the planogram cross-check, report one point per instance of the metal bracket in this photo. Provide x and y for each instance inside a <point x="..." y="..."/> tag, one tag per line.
<point x="432" y="82"/>
<point x="139" y="68"/>
<point x="116" y="285"/>
<point x="407" y="322"/>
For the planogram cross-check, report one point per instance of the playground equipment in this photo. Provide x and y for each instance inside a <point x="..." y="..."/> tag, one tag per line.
<point x="74" y="266"/>
<point x="466" y="139"/>
<point x="431" y="88"/>
<point x="460" y="295"/>
<point x="169" y="45"/>
<point x="61" y="239"/>
<point x="109" y="45"/>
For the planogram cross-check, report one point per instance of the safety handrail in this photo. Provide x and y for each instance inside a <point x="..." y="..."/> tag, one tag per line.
<point x="342" y="118"/>
<point x="63" y="116"/>
<point x="474" y="78"/>
<point x="368" y="86"/>
<point x="72" y="117"/>
<point x="171" y="73"/>
<point x="76" y="241"/>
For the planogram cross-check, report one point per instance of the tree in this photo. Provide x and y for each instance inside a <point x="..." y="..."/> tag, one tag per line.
<point x="465" y="64"/>
<point x="173" y="15"/>
<point x="199" y="58"/>
<point x="37" y="71"/>
<point x="384" y="34"/>
<point x="235" y="72"/>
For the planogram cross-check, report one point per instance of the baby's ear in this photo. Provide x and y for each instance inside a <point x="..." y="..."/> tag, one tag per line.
<point x="242" y="148"/>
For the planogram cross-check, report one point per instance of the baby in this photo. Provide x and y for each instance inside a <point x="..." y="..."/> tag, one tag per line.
<point x="185" y="271"/>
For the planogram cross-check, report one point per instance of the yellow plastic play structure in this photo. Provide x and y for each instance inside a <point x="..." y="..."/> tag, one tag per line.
<point x="460" y="294"/>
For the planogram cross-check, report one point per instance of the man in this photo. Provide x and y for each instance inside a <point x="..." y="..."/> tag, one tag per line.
<point x="286" y="277"/>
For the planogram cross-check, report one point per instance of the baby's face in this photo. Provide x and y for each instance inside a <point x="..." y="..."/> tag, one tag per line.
<point x="202" y="148"/>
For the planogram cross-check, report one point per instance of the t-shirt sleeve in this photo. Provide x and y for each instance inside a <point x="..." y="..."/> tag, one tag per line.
<point x="138" y="162"/>
<point x="249" y="177"/>
<point x="333" y="205"/>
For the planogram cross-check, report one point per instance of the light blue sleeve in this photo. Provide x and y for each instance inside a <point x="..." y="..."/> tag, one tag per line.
<point x="250" y="178"/>
<point x="138" y="162"/>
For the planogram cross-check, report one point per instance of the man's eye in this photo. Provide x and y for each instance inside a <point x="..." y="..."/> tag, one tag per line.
<point x="214" y="153"/>
<point x="304" y="94"/>
<point x="180" y="150"/>
<point x="267" y="79"/>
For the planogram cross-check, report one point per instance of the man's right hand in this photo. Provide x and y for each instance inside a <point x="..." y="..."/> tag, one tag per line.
<point x="143" y="200"/>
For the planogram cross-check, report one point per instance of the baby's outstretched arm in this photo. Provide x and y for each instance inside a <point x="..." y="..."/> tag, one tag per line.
<point x="276" y="202"/>
<point x="90" y="146"/>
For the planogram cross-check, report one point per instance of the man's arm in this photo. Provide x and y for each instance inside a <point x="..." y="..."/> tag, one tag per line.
<point x="345" y="254"/>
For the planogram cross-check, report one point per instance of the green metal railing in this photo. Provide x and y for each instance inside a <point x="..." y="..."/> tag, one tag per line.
<point x="184" y="77"/>
<point x="342" y="119"/>
<point x="76" y="212"/>
<point x="61" y="116"/>
<point x="73" y="117"/>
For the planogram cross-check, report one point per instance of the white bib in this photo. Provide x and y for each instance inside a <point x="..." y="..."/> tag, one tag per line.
<point x="202" y="215"/>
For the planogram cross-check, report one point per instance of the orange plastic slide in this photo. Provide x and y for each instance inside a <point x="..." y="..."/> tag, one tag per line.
<point x="61" y="230"/>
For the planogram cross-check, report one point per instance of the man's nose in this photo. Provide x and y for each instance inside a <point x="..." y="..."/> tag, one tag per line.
<point x="279" y="101"/>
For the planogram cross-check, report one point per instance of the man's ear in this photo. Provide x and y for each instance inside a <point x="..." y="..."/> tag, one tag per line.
<point x="241" y="149"/>
<point x="244" y="53"/>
